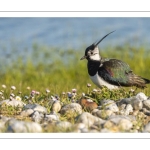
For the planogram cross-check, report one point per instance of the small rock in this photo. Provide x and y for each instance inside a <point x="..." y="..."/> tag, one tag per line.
<point x="108" y="124"/>
<point x="127" y="110"/>
<point x="3" y="120"/>
<point x="27" y="112"/>
<point x="94" y="112"/>
<point x="147" y="128"/>
<point x="79" y="127"/>
<point x="146" y="112"/>
<point x="135" y="112"/>
<point x="37" y="117"/>
<point x="56" y="106"/>
<point x="72" y="109"/>
<point x="16" y="126"/>
<point x="141" y="96"/>
<point x="36" y="107"/>
<point x="88" y="119"/>
<point x="104" y="113"/>
<point x="117" y="118"/>
<point x="125" y="124"/>
<point x="13" y="103"/>
<point x="110" y="104"/>
<point x="105" y="130"/>
<point x="137" y="104"/>
<point x="51" y="118"/>
<point x="127" y="100"/>
<point x="63" y="125"/>
<point x="146" y="104"/>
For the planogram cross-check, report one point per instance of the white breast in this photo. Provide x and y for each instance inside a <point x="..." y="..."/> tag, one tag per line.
<point x="100" y="82"/>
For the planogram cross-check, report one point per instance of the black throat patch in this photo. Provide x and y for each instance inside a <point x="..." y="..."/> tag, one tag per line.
<point x="93" y="67"/>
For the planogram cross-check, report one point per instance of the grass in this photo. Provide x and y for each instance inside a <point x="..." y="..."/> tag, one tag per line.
<point x="61" y="70"/>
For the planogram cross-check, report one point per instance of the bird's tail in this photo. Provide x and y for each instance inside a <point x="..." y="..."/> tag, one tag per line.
<point x="138" y="81"/>
<point x="147" y="81"/>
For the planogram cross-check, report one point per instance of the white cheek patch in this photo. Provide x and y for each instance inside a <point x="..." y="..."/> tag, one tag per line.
<point x="95" y="57"/>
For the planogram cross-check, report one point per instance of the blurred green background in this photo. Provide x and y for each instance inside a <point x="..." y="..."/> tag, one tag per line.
<point x="44" y="53"/>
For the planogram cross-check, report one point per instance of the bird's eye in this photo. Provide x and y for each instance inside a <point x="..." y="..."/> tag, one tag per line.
<point x="91" y="52"/>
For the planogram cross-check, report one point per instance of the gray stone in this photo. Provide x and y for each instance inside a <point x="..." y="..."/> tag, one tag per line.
<point x="146" y="104"/>
<point x="2" y="126"/>
<point x="103" y="113"/>
<point x="116" y="119"/>
<point x="109" y="104"/>
<point x="26" y="112"/>
<point x="63" y="125"/>
<point x="94" y="111"/>
<point x="37" y="117"/>
<point x="147" y="128"/>
<point x="125" y="101"/>
<point x="16" y="126"/>
<point x="36" y="107"/>
<point x="71" y="109"/>
<point x="51" y="118"/>
<point x="3" y="121"/>
<point x="56" y="106"/>
<point x="88" y="119"/>
<point x="141" y="96"/>
<point x="125" y="125"/>
<point x="137" y="104"/>
<point x="80" y="128"/>
<point x="126" y="109"/>
<point x="13" y="103"/>
<point x="146" y="112"/>
<point x="105" y="130"/>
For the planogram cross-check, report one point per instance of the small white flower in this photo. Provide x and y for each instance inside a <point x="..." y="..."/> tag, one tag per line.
<point x="53" y="98"/>
<point x="83" y="94"/>
<point x="26" y="97"/>
<point x="88" y="85"/>
<point x="63" y="93"/>
<point x="13" y="87"/>
<point x="74" y="90"/>
<point x="28" y="88"/>
<point x="11" y="98"/>
<point x="18" y="98"/>
<point x="4" y="86"/>
<point x="47" y="91"/>
<point x="33" y="93"/>
<point x="89" y="100"/>
<point x="94" y="90"/>
<point x="1" y="93"/>
<point x="37" y="93"/>
<point x="132" y="90"/>
<point x="12" y="95"/>
<point x="69" y="94"/>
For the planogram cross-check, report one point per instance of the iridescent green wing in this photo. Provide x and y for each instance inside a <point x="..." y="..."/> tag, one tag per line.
<point x="115" y="71"/>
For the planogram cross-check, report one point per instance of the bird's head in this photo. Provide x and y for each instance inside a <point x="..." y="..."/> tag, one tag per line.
<point x="92" y="52"/>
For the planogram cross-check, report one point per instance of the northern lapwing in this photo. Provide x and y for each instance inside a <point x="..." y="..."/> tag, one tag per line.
<point x="112" y="73"/>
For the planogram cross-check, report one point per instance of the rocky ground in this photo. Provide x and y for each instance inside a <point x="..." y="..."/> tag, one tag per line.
<point x="81" y="115"/>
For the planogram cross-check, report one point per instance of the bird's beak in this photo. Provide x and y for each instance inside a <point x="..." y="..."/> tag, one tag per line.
<point x="83" y="57"/>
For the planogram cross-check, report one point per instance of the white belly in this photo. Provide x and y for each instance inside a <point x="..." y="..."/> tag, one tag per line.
<point x="100" y="82"/>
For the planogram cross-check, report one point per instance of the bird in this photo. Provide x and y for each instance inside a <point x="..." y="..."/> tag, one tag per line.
<point x="110" y="72"/>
